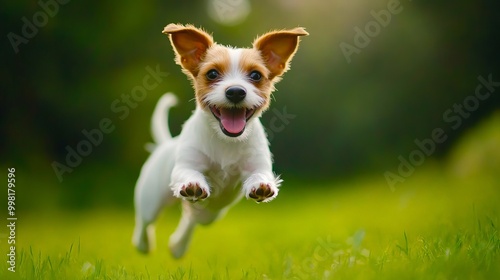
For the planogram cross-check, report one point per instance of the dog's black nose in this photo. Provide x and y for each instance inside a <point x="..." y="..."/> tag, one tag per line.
<point x="235" y="94"/>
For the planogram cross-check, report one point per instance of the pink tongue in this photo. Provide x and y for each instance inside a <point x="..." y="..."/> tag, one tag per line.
<point x="233" y="120"/>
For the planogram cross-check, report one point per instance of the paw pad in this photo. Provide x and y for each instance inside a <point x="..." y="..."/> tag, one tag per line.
<point x="193" y="192"/>
<point x="261" y="193"/>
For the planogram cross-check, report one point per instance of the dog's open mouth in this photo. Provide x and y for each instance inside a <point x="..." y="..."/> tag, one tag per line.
<point x="232" y="120"/>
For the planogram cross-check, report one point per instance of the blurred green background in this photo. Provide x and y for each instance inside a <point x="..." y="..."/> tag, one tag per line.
<point x="65" y="67"/>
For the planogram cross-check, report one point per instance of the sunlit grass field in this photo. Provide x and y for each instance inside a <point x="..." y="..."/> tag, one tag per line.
<point x="433" y="226"/>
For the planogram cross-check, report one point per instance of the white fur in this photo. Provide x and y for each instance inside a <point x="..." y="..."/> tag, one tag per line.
<point x="207" y="170"/>
<point x="232" y="78"/>
<point x="199" y="155"/>
<point x="159" y="125"/>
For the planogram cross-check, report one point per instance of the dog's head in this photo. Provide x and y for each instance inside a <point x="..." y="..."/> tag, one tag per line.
<point x="234" y="85"/>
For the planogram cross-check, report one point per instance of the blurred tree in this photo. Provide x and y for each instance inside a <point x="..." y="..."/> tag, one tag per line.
<point x="65" y="63"/>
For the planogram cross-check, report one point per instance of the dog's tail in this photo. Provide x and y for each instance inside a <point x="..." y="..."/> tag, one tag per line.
<point x="159" y="123"/>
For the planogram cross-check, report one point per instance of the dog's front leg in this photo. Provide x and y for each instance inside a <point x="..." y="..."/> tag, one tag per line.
<point x="262" y="186"/>
<point x="189" y="184"/>
<point x="188" y="181"/>
<point x="259" y="181"/>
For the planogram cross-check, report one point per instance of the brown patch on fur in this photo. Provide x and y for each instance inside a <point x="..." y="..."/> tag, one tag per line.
<point x="190" y="45"/>
<point x="197" y="53"/>
<point x="217" y="57"/>
<point x="251" y="60"/>
<point x="278" y="48"/>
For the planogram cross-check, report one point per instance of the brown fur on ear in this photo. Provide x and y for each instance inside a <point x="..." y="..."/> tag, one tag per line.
<point x="278" y="47"/>
<point x="190" y="45"/>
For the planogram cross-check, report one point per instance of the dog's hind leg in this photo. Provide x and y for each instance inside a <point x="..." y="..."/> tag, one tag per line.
<point x="152" y="193"/>
<point x="192" y="215"/>
<point x="144" y="235"/>
<point x="179" y="240"/>
<point x="147" y="209"/>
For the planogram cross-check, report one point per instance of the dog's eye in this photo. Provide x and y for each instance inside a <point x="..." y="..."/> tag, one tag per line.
<point x="255" y="76"/>
<point x="212" y="74"/>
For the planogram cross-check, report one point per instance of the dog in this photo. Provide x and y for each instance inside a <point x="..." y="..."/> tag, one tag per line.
<point x="222" y="152"/>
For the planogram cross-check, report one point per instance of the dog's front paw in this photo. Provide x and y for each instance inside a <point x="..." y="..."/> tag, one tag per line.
<point x="193" y="191"/>
<point x="264" y="192"/>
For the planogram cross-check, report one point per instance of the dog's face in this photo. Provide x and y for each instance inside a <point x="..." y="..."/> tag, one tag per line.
<point x="234" y="85"/>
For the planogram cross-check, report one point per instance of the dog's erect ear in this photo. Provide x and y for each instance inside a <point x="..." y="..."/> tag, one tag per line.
<point x="278" y="48"/>
<point x="190" y="45"/>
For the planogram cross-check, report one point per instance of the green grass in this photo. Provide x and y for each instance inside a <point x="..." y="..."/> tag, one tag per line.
<point x="431" y="227"/>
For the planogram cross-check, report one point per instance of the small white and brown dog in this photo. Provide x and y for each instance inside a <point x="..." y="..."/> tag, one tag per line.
<point x="222" y="153"/>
